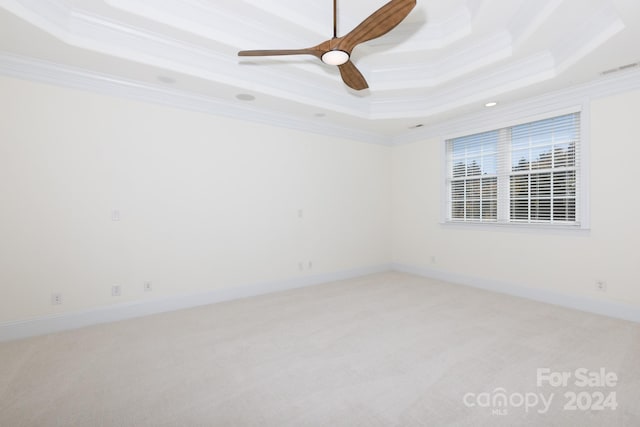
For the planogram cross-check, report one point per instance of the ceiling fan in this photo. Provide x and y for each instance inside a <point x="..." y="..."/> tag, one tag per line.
<point x="337" y="50"/>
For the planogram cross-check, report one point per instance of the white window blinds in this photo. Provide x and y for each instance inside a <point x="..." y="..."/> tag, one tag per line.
<point x="528" y="173"/>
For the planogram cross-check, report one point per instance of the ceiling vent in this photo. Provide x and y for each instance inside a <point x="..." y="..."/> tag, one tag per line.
<point x="621" y="68"/>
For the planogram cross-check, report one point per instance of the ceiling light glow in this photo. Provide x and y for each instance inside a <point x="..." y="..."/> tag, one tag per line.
<point x="335" y="57"/>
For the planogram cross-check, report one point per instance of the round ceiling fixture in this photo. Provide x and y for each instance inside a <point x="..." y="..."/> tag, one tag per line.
<point x="245" y="97"/>
<point x="335" y="57"/>
<point x="167" y="80"/>
<point x="491" y="104"/>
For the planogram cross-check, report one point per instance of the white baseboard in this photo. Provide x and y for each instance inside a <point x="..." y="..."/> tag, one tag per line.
<point x="605" y="308"/>
<point x="67" y="321"/>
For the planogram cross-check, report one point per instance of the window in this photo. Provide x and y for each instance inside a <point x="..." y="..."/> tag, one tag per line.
<point x="528" y="173"/>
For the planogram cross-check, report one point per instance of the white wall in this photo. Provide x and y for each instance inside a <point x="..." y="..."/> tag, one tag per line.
<point x="206" y="203"/>
<point x="209" y="203"/>
<point x="566" y="262"/>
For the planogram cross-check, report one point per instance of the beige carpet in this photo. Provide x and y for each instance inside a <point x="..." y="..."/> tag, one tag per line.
<point x="384" y="350"/>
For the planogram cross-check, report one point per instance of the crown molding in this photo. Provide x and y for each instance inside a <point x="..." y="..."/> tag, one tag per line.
<point x="410" y="37"/>
<point x="448" y="82"/>
<point x="75" y="78"/>
<point x="603" y="25"/>
<point x="400" y="74"/>
<point x="88" y="31"/>
<point x="312" y="19"/>
<point x="623" y="81"/>
<point x="517" y="75"/>
<point x="183" y="57"/>
<point x="216" y="23"/>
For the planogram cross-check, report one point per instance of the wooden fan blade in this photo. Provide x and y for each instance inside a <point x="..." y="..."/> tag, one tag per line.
<point x="377" y="24"/>
<point x="278" y="52"/>
<point x="352" y="77"/>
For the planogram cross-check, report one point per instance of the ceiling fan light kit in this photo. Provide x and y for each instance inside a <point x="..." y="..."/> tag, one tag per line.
<point x="335" y="57"/>
<point x="337" y="50"/>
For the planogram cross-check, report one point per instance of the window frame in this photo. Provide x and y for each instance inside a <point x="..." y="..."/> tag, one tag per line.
<point x="504" y="197"/>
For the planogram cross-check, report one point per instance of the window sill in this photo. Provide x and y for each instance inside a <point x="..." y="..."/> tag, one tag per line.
<point x="519" y="227"/>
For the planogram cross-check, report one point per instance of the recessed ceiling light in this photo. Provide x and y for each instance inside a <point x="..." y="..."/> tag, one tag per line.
<point x="419" y="125"/>
<point x="166" y="79"/>
<point x="491" y="104"/>
<point x="245" y="97"/>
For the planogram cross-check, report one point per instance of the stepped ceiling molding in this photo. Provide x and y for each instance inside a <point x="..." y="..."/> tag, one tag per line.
<point x="447" y="59"/>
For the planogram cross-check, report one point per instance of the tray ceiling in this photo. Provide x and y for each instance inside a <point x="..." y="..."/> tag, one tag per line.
<point x="449" y="57"/>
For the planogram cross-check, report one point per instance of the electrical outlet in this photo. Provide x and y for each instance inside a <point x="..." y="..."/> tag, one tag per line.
<point x="433" y="259"/>
<point x="147" y="286"/>
<point x="56" y="299"/>
<point x="310" y="266"/>
<point x="601" y="286"/>
<point x="116" y="290"/>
